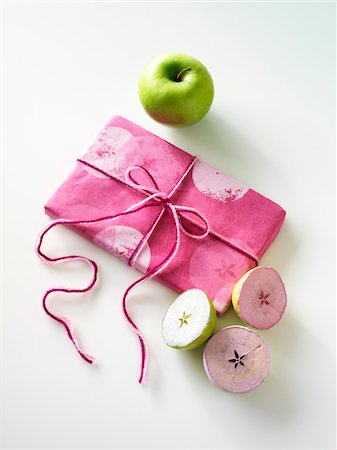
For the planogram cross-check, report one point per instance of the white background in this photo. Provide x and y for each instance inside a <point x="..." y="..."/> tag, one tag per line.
<point x="67" y="68"/>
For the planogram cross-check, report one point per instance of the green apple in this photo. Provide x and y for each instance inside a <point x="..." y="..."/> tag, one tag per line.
<point x="176" y="89"/>
<point x="189" y="321"/>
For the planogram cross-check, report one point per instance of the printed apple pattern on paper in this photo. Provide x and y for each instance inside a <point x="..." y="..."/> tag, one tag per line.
<point x="110" y="152"/>
<point x="122" y="241"/>
<point x="160" y="159"/>
<point x="217" y="185"/>
<point x="223" y="269"/>
<point x="116" y="149"/>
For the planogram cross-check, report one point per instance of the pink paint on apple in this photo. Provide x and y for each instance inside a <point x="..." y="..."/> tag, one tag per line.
<point x="261" y="298"/>
<point x="236" y="359"/>
<point x="217" y="185"/>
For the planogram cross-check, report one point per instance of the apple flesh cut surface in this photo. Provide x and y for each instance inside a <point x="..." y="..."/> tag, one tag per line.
<point x="236" y="359"/>
<point x="176" y="89"/>
<point x="259" y="297"/>
<point x="189" y="321"/>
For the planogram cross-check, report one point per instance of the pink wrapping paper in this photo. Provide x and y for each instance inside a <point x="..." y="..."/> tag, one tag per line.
<point x="243" y="223"/>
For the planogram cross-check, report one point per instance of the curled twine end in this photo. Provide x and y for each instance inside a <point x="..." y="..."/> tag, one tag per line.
<point x="142" y="381"/>
<point x="70" y="331"/>
<point x="88" y="358"/>
<point x="71" y="334"/>
<point x="143" y="372"/>
<point x="143" y="347"/>
<point x="49" y="260"/>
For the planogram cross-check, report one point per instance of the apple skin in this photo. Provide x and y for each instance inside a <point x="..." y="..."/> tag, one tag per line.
<point x="237" y="289"/>
<point x="176" y="89"/>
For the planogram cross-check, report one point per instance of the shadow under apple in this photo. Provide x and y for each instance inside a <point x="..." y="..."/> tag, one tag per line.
<point x="218" y="143"/>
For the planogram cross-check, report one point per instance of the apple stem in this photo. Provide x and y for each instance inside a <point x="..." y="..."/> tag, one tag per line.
<point x="178" y="77"/>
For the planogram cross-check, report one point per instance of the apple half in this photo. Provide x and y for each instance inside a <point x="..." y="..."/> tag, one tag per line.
<point x="259" y="297"/>
<point x="189" y="321"/>
<point x="236" y="359"/>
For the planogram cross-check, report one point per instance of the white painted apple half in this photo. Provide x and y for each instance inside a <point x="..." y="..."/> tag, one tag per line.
<point x="189" y="321"/>
<point x="236" y="359"/>
<point x="259" y="297"/>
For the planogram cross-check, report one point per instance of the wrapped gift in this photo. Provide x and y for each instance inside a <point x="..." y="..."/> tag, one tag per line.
<point x="166" y="212"/>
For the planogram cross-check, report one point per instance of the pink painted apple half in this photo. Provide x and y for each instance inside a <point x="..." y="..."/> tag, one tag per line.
<point x="236" y="359"/>
<point x="259" y="297"/>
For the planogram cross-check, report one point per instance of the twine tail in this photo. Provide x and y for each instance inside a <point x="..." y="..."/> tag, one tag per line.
<point x="49" y="260"/>
<point x="63" y="320"/>
<point x="143" y="345"/>
<point x="154" y="272"/>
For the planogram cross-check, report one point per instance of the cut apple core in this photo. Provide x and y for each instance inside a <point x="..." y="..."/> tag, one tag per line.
<point x="187" y="319"/>
<point x="236" y="359"/>
<point x="259" y="298"/>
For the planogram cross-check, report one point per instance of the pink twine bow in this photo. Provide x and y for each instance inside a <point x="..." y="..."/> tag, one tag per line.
<point x="154" y="197"/>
